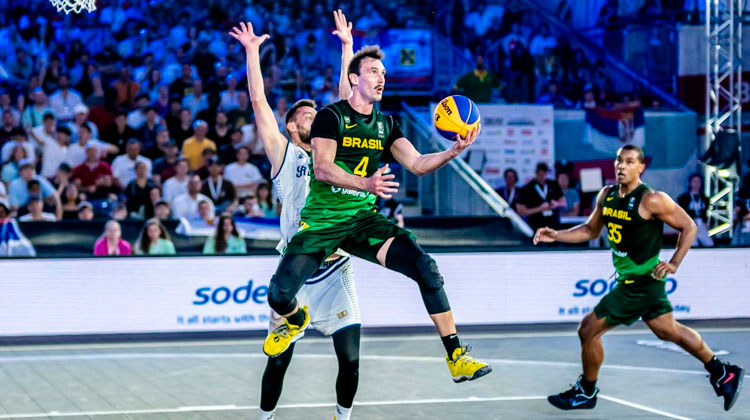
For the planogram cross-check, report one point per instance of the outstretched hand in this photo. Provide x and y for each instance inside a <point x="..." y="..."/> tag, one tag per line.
<point x="381" y="185"/>
<point x="247" y="37"/>
<point x="545" y="234"/>
<point x="463" y="142"/>
<point x="343" y="28"/>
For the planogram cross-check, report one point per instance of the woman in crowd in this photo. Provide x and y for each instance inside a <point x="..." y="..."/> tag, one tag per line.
<point x="227" y="239"/>
<point x="10" y="168"/>
<point x="111" y="242"/>
<point x="265" y="200"/>
<point x="154" y="239"/>
<point x="70" y="199"/>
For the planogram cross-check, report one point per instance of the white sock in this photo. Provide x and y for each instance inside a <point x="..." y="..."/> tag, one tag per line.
<point x="267" y="415"/>
<point x="343" y="413"/>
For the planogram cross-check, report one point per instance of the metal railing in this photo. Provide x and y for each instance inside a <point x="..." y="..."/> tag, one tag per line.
<point x="455" y="189"/>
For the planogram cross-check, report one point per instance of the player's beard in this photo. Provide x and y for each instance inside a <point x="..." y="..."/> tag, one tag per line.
<point x="304" y="135"/>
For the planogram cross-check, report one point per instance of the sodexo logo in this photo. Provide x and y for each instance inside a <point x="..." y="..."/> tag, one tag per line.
<point x="240" y="295"/>
<point x="600" y="287"/>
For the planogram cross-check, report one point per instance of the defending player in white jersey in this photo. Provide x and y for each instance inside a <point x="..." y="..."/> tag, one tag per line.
<point x="329" y="294"/>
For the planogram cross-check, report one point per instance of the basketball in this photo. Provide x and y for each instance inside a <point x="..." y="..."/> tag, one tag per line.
<point x="455" y="115"/>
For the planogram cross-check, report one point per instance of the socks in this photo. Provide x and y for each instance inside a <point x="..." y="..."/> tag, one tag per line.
<point x="714" y="367"/>
<point x="298" y="318"/>
<point x="266" y="415"/>
<point x="342" y="413"/>
<point x="451" y="343"/>
<point x="588" y="387"/>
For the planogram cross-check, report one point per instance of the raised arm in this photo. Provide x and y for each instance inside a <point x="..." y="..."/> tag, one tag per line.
<point x="274" y="142"/>
<point x="405" y="153"/>
<point x="581" y="233"/>
<point x="344" y="32"/>
<point x="660" y="206"/>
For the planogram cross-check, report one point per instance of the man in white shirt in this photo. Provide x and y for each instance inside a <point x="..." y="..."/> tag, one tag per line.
<point x="196" y="101"/>
<point x="35" y="214"/>
<point x="186" y="205"/>
<point x="54" y="146"/>
<point x="80" y="118"/>
<point x="77" y="151"/>
<point x="244" y="175"/>
<point x="123" y="167"/>
<point x="64" y="100"/>
<point x="178" y="184"/>
<point x="137" y="118"/>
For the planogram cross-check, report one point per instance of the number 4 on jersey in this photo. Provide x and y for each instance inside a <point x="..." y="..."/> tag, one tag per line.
<point x="361" y="168"/>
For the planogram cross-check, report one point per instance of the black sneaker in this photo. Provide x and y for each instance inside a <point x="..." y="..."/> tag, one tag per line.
<point x="728" y="384"/>
<point x="574" y="398"/>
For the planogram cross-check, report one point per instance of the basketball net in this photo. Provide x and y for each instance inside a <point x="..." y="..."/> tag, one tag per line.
<point x="74" y="6"/>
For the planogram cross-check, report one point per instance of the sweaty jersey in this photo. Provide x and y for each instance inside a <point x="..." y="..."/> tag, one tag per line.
<point x="292" y="185"/>
<point x="360" y="143"/>
<point x="635" y="242"/>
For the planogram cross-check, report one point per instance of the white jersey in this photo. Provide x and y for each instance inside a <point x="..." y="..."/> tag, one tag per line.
<point x="292" y="182"/>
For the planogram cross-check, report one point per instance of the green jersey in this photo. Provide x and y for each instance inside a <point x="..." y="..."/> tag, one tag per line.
<point x="360" y="143"/>
<point x="635" y="242"/>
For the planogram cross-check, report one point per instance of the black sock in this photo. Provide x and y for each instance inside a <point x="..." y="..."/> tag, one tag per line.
<point x="298" y="318"/>
<point x="588" y="387"/>
<point x="714" y="366"/>
<point x="451" y="343"/>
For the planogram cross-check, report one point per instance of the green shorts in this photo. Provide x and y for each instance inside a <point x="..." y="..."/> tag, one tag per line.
<point x="360" y="235"/>
<point x="644" y="298"/>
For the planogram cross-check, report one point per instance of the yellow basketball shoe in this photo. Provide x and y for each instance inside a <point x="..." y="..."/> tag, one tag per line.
<point x="464" y="367"/>
<point x="282" y="336"/>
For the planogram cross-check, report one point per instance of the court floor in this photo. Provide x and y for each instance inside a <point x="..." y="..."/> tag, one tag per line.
<point x="401" y="377"/>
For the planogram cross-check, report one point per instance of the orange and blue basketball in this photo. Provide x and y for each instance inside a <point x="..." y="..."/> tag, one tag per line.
<point x="455" y="115"/>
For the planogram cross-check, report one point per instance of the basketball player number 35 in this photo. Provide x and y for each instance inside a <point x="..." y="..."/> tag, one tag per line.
<point x="614" y="232"/>
<point x="361" y="168"/>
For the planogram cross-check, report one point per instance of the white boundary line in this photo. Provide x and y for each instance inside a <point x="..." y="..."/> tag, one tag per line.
<point x="208" y="408"/>
<point x="365" y="339"/>
<point x="390" y="358"/>
<point x="643" y="407"/>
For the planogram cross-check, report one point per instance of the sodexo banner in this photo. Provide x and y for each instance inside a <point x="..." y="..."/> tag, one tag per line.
<point x="146" y="295"/>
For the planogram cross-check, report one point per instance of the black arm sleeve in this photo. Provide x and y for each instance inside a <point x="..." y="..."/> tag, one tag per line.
<point x="325" y="125"/>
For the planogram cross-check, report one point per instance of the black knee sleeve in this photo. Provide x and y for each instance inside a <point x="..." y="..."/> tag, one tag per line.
<point x="280" y="295"/>
<point x="409" y="259"/>
<point x="291" y="274"/>
<point x="429" y="276"/>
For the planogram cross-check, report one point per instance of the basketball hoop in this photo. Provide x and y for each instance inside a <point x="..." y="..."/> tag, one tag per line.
<point x="74" y="6"/>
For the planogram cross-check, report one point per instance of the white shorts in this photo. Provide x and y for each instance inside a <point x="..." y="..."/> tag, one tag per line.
<point x="330" y="298"/>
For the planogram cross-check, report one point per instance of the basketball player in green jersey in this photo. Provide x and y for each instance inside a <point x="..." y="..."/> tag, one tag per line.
<point x="348" y="139"/>
<point x="634" y="215"/>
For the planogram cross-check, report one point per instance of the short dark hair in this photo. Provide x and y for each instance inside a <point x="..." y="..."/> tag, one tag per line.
<point x="541" y="166"/>
<point x="48" y="116"/>
<point x="511" y="171"/>
<point x="63" y="129"/>
<point x="85" y="127"/>
<point x="634" y="148"/>
<point x="297" y="105"/>
<point x="368" y="51"/>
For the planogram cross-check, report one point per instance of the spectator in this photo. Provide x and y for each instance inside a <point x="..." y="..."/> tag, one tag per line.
<point x="22" y="66"/>
<point x="8" y="129"/>
<point x="266" y="202"/>
<point x="243" y="175"/>
<point x="206" y="213"/>
<point x="126" y="89"/>
<point x="123" y="167"/>
<point x="482" y="18"/>
<point x="193" y="147"/>
<point x="64" y="100"/>
<point x="282" y="107"/>
<point x="137" y="193"/>
<point x="18" y="192"/>
<point x="118" y="133"/>
<point x="162" y="211"/>
<point x="553" y="97"/>
<point x="19" y="140"/>
<point x="164" y="167"/>
<point x="33" y="115"/>
<point x="572" y="198"/>
<point x="80" y="118"/>
<point x="35" y="214"/>
<point x="589" y="99"/>
<point x="695" y="203"/>
<point x="11" y="167"/>
<point x="93" y="175"/>
<point x="226" y="240"/>
<point x="111" y="242"/>
<point x="222" y="130"/>
<point x="70" y="198"/>
<point x="390" y="209"/>
<point x="197" y="100"/>
<point x="5" y="105"/>
<point x="477" y="85"/>
<point x="543" y="42"/>
<point x="137" y="117"/>
<point x="186" y="205"/>
<point x="62" y="177"/>
<point x="243" y="114"/>
<point x="250" y="207"/>
<point x="183" y="86"/>
<point x="76" y="153"/>
<point x="221" y="191"/>
<point x="150" y="128"/>
<point x="54" y="150"/>
<point x="230" y="97"/>
<point x="85" y="211"/>
<point x="228" y="152"/>
<point x="539" y="201"/>
<point x="154" y="239"/>
<point x="175" y="186"/>
<point x="184" y="129"/>
<point x="509" y="192"/>
<point x="172" y="117"/>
